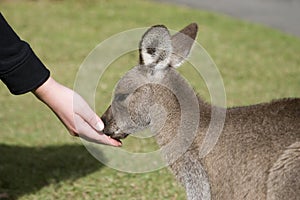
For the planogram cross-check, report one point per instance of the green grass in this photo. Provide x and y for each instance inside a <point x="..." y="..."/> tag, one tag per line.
<point x="39" y="160"/>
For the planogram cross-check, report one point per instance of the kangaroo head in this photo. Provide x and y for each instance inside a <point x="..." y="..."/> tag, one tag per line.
<point x="138" y="90"/>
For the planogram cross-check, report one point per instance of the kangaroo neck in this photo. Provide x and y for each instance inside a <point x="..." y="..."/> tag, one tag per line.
<point x="169" y="121"/>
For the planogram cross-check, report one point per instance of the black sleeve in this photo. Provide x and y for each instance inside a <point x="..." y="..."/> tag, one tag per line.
<point x="20" y="69"/>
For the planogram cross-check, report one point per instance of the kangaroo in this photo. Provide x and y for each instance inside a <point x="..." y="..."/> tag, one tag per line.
<point x="257" y="155"/>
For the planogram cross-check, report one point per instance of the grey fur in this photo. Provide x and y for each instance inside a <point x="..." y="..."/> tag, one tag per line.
<point x="257" y="155"/>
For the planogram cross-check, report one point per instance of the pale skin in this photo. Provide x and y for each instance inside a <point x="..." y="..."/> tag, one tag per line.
<point x="74" y="112"/>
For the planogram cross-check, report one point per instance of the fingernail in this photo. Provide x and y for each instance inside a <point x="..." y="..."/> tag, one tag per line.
<point x="99" y="126"/>
<point x="119" y="144"/>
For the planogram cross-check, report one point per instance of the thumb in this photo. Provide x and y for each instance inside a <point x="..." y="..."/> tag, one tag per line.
<point x="87" y="114"/>
<point x="99" y="124"/>
<point x="92" y="119"/>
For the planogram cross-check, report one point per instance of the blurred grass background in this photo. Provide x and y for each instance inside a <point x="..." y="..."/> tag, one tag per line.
<point x="39" y="160"/>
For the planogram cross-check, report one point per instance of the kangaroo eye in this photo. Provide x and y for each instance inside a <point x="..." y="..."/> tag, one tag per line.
<point x="120" y="97"/>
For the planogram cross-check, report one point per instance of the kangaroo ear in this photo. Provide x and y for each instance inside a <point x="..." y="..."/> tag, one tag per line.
<point x="182" y="43"/>
<point x="155" y="47"/>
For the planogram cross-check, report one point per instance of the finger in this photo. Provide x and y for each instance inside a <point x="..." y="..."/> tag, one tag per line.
<point x="86" y="132"/>
<point x="87" y="114"/>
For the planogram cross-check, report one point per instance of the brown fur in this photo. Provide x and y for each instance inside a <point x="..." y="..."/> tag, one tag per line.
<point x="257" y="155"/>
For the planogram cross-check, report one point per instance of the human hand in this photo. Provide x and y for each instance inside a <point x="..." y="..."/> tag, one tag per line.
<point x="74" y="112"/>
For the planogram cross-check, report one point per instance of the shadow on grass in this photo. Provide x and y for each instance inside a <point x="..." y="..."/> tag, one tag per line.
<point x="25" y="170"/>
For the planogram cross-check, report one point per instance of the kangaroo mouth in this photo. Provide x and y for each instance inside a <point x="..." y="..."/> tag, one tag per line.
<point x="118" y="135"/>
